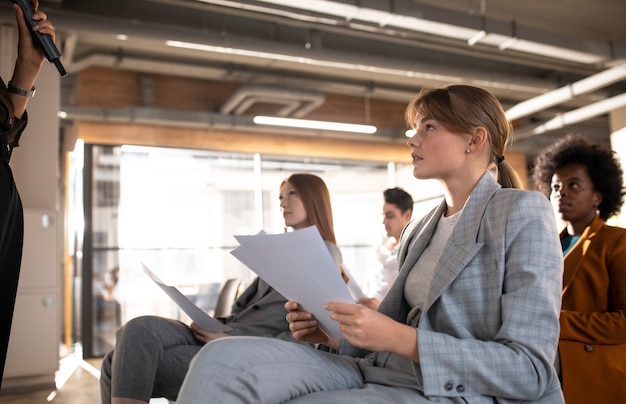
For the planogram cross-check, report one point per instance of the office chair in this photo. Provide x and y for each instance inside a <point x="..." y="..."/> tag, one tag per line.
<point x="227" y="297"/>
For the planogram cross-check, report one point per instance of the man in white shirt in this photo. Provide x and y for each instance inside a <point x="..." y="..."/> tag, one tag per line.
<point x="397" y="211"/>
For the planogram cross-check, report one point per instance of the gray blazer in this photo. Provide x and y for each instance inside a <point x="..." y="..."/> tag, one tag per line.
<point x="490" y="326"/>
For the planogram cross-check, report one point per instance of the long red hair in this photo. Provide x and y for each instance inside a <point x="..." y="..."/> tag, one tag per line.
<point x="315" y="197"/>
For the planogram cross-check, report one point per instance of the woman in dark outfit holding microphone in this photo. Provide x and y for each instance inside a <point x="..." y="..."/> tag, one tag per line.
<point x="14" y="96"/>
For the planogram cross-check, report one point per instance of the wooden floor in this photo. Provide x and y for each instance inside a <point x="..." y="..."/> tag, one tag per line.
<point x="77" y="383"/>
<point x="76" y="380"/>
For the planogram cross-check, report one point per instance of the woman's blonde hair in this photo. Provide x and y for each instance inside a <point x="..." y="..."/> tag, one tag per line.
<point x="461" y="109"/>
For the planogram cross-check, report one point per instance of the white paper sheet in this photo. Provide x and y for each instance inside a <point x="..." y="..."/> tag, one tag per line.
<point x="353" y="287"/>
<point x="299" y="266"/>
<point x="198" y="316"/>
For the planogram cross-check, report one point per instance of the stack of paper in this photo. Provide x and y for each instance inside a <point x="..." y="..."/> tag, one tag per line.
<point x="299" y="266"/>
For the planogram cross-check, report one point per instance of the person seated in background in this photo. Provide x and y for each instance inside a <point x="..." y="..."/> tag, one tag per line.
<point x="397" y="211"/>
<point x="473" y="315"/>
<point x="152" y="354"/>
<point x="584" y="181"/>
<point x="14" y="96"/>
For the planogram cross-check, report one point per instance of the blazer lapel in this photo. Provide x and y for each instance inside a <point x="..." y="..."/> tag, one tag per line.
<point x="249" y="294"/>
<point x="414" y="240"/>
<point x="418" y="237"/>
<point x="462" y="245"/>
<point x="574" y="258"/>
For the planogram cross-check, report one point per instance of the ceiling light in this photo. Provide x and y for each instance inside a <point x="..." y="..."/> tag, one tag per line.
<point x="308" y="124"/>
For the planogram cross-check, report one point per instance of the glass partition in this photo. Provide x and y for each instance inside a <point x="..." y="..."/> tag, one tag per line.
<point x="176" y="211"/>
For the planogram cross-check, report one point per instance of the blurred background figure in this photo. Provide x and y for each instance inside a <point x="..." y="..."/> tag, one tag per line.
<point x="115" y="291"/>
<point x="397" y="211"/>
<point x="108" y="297"/>
<point x="585" y="184"/>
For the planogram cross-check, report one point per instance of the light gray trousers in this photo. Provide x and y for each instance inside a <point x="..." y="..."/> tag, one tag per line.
<point x="266" y="370"/>
<point x="150" y="359"/>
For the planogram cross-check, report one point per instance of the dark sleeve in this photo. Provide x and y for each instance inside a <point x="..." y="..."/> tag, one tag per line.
<point x="262" y="314"/>
<point x="10" y="126"/>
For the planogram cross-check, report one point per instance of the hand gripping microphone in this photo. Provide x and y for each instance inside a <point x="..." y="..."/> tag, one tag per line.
<point x="49" y="49"/>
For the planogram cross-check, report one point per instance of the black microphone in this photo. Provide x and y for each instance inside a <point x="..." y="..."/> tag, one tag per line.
<point x="49" y="49"/>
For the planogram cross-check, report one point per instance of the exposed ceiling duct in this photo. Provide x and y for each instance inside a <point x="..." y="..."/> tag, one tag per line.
<point x="192" y="119"/>
<point x="472" y="29"/>
<point x="142" y="36"/>
<point x="573" y="117"/>
<point x="568" y="92"/>
<point x="382" y="50"/>
<point x="296" y="103"/>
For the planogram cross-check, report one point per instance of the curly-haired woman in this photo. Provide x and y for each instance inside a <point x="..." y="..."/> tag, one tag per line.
<point x="585" y="184"/>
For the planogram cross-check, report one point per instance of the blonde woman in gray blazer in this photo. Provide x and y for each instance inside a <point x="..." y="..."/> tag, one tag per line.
<point x="473" y="316"/>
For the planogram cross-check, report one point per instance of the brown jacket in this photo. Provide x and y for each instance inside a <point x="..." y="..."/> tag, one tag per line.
<point x="592" y="345"/>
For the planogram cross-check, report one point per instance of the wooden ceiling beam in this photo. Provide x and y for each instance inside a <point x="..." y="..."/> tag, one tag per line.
<point x="242" y="142"/>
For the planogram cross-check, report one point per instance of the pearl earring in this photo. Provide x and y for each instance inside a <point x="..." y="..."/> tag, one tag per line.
<point x="467" y="150"/>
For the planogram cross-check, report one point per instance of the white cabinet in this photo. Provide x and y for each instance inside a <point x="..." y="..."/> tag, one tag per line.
<point x="33" y="355"/>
